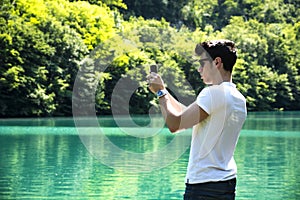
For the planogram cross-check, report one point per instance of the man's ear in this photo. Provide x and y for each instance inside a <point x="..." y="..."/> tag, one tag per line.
<point x="218" y="60"/>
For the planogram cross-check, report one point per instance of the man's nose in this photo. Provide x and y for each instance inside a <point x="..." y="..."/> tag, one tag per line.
<point x="200" y="69"/>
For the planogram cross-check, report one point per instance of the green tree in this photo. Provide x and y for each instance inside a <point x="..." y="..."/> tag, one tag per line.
<point x="42" y="43"/>
<point x="265" y="56"/>
<point x="152" y="41"/>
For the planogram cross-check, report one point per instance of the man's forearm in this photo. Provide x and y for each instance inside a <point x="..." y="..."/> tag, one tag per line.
<point x="176" y="104"/>
<point x="171" y="110"/>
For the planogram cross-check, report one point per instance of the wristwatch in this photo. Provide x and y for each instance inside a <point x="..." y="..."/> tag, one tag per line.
<point x="161" y="93"/>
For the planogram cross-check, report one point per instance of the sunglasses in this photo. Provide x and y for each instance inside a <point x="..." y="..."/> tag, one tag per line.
<point x="202" y="61"/>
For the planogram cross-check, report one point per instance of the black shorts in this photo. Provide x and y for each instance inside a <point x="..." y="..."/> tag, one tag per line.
<point x="222" y="190"/>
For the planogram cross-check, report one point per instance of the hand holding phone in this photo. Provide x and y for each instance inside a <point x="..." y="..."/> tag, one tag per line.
<point x="154" y="80"/>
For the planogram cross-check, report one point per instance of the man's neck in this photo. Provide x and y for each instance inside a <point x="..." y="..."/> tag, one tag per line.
<point x="222" y="79"/>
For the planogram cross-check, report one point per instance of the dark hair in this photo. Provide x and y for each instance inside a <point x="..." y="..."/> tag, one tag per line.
<point x="225" y="49"/>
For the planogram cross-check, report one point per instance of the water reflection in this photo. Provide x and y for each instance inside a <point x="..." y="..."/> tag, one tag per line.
<point x="40" y="166"/>
<point x="268" y="167"/>
<point x="52" y="163"/>
<point x="273" y="121"/>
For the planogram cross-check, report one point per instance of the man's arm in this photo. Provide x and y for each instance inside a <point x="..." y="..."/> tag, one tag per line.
<point x="177" y="118"/>
<point x="179" y="107"/>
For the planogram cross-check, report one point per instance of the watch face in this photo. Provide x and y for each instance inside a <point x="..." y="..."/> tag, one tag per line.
<point x="161" y="93"/>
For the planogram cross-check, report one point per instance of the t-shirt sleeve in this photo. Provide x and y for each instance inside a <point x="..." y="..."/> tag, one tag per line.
<point x="211" y="99"/>
<point x="204" y="100"/>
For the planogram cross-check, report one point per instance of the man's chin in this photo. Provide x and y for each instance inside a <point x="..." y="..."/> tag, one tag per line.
<point x="206" y="82"/>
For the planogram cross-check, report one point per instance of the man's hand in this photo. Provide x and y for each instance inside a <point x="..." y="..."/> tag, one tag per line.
<point x="155" y="82"/>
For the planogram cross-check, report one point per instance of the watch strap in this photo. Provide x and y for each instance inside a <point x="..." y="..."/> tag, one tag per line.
<point x="161" y="93"/>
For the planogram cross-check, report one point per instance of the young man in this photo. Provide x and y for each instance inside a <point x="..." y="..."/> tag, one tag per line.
<point x="217" y="116"/>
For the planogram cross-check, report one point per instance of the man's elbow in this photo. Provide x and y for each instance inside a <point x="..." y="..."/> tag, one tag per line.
<point x="174" y="123"/>
<point x="174" y="129"/>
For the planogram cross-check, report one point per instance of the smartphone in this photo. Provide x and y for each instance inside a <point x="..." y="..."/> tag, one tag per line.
<point x="154" y="68"/>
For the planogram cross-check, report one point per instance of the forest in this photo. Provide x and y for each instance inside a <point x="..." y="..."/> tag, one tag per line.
<point x="99" y="52"/>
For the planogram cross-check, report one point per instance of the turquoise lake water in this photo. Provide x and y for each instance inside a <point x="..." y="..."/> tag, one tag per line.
<point x="50" y="159"/>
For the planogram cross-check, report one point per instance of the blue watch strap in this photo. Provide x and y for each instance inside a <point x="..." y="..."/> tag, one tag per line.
<point x="161" y="93"/>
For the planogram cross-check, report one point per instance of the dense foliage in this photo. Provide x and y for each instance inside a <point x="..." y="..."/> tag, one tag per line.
<point x="43" y="44"/>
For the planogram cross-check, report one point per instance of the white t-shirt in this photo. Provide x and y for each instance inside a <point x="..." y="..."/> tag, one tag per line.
<point x="214" y="139"/>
